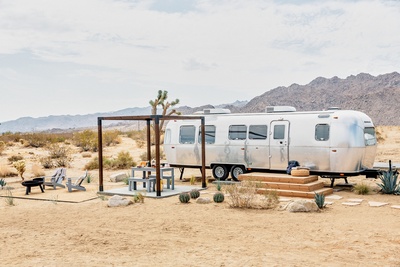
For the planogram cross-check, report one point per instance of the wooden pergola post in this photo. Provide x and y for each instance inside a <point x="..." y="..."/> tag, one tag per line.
<point x="156" y="120"/>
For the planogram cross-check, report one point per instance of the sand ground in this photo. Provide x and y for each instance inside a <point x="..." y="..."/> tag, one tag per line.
<point x="165" y="232"/>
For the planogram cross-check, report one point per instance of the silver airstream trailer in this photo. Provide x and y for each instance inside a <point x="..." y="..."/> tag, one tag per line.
<point x="332" y="142"/>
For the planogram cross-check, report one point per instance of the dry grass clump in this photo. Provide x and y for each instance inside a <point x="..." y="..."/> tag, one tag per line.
<point x="2" y="146"/>
<point x="59" y="156"/>
<point x="86" y="154"/>
<point x="123" y="161"/>
<point x="6" y="171"/>
<point x="37" y="171"/>
<point x="245" y="196"/>
<point x="362" y="189"/>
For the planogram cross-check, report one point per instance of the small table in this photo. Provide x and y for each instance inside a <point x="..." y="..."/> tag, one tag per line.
<point x="32" y="183"/>
<point x="163" y="175"/>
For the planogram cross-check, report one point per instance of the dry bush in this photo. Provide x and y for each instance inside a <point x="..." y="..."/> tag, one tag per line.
<point x="87" y="140"/>
<point x="380" y="134"/>
<point x="245" y="196"/>
<point x="143" y="156"/>
<point x="111" y="138"/>
<point x="6" y="171"/>
<point x="37" y="171"/>
<point x="86" y="155"/>
<point x="61" y="155"/>
<point x="2" y="146"/>
<point x="15" y="158"/>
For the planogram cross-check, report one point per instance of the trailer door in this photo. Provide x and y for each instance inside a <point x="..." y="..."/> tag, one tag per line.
<point x="279" y="145"/>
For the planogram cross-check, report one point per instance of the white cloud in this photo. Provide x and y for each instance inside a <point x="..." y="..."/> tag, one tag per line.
<point x="206" y="51"/>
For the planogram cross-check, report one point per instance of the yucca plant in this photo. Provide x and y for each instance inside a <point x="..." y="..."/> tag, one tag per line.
<point x="2" y="183"/>
<point x="389" y="181"/>
<point x="320" y="200"/>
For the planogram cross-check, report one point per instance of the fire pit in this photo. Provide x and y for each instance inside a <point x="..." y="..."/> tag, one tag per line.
<point x="32" y="183"/>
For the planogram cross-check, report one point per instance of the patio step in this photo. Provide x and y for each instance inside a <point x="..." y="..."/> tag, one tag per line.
<point x="287" y="185"/>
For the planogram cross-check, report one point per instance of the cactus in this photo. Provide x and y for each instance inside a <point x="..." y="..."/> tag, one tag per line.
<point x="320" y="200"/>
<point x="184" y="197"/>
<point x="194" y="194"/>
<point x="2" y="183"/>
<point x="389" y="181"/>
<point x="219" y="197"/>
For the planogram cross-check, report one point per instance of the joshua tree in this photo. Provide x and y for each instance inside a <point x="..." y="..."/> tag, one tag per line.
<point x="161" y="100"/>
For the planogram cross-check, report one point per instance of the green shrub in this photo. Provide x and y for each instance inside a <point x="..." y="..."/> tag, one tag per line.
<point x="320" y="200"/>
<point x="123" y="161"/>
<point x="87" y="140"/>
<point x="111" y="138"/>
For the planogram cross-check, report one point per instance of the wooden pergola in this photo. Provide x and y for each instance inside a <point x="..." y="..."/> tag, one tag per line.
<point x="156" y="121"/>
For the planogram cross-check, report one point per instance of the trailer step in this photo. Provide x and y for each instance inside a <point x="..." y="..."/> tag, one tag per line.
<point x="291" y="193"/>
<point x="277" y="178"/>
<point x="287" y="185"/>
<point x="309" y="187"/>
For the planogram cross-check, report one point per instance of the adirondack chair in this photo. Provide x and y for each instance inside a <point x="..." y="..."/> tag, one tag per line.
<point x="56" y="179"/>
<point x="77" y="184"/>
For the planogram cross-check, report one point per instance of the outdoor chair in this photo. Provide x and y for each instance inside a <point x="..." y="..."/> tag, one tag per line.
<point x="56" y="179"/>
<point x="77" y="184"/>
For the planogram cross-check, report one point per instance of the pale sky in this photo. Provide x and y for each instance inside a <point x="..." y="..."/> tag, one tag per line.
<point x="60" y="57"/>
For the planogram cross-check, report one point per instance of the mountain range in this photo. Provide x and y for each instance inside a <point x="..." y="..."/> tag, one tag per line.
<point x="377" y="96"/>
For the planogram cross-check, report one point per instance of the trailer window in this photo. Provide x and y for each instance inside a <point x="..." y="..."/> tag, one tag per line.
<point x="370" y="136"/>
<point x="237" y="132"/>
<point x="279" y="131"/>
<point x="322" y="132"/>
<point x="187" y="134"/>
<point x="209" y="134"/>
<point x="258" y="132"/>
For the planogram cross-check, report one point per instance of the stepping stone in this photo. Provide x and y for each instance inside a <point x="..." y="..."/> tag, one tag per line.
<point x="395" y="206"/>
<point x="351" y="203"/>
<point x="357" y="200"/>
<point x="376" y="204"/>
<point x="333" y="197"/>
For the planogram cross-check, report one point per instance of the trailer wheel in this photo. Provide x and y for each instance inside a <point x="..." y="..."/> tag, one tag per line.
<point x="236" y="171"/>
<point x="220" y="172"/>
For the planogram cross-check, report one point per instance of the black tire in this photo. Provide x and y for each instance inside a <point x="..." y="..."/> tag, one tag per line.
<point x="220" y="172"/>
<point x="236" y="171"/>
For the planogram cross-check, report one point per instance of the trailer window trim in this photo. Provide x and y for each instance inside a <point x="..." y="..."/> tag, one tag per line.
<point x="258" y="134"/>
<point x="237" y="132"/>
<point x="279" y="131"/>
<point x="187" y="134"/>
<point x="322" y="132"/>
<point x="210" y="131"/>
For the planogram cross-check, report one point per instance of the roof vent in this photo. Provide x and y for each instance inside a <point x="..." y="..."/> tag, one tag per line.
<point x="214" y="111"/>
<point x="276" y="109"/>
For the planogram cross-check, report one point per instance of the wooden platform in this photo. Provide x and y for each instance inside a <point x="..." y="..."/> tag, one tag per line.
<point x="287" y="185"/>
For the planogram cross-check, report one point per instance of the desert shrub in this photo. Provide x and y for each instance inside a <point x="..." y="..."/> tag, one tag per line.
<point x="2" y="146"/>
<point x="361" y="189"/>
<point x="34" y="140"/>
<point x="47" y="162"/>
<point x="37" y="170"/>
<point x="15" y="158"/>
<point x="138" y="198"/>
<point x="111" y="138"/>
<point x="86" y="155"/>
<point x="245" y="196"/>
<point x="60" y="155"/>
<point x="6" y="171"/>
<point x="123" y="161"/>
<point x="20" y="167"/>
<point x="10" y="137"/>
<point x="87" y="140"/>
<point x="94" y="164"/>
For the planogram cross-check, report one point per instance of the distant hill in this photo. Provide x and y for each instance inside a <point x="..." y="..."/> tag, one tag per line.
<point x="376" y="96"/>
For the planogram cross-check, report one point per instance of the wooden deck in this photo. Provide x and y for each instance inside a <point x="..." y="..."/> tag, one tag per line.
<point x="287" y="185"/>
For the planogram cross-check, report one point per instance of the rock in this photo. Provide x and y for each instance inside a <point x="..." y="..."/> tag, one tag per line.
<point x="203" y="200"/>
<point x="302" y="205"/>
<point x="118" y="177"/>
<point x="116" y="201"/>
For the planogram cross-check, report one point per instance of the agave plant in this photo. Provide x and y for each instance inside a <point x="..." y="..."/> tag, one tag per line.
<point x="389" y="181"/>
<point x="320" y="200"/>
